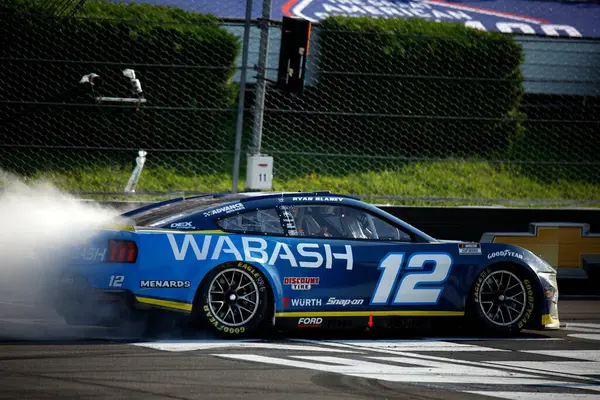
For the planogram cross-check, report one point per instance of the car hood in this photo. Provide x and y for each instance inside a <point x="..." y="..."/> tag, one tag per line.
<point x="534" y="261"/>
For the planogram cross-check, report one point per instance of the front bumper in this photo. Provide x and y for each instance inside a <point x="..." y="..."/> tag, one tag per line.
<point x="550" y="319"/>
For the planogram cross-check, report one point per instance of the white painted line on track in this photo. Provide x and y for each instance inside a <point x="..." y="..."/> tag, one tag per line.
<point x="419" y="345"/>
<point x="395" y="346"/>
<point x="465" y="374"/>
<point x="26" y="305"/>
<point x="536" y="395"/>
<point x="591" y="331"/>
<point x="507" y="339"/>
<point x="583" y="325"/>
<point x="586" y="355"/>
<point x="182" y="345"/>
<point x="581" y="329"/>
<point x="588" y="336"/>
<point x="569" y="367"/>
<point x="468" y="363"/>
<point x="386" y="372"/>
<point x="577" y="329"/>
<point x="24" y="321"/>
<point x="514" y="368"/>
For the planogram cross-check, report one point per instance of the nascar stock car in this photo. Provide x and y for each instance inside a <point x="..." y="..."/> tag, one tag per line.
<point x="243" y="263"/>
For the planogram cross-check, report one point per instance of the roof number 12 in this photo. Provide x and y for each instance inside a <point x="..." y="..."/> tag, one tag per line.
<point x="410" y="290"/>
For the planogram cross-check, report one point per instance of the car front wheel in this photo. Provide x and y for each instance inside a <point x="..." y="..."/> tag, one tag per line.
<point x="503" y="299"/>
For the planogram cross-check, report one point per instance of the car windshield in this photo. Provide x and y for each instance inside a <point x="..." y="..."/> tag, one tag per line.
<point x="161" y="214"/>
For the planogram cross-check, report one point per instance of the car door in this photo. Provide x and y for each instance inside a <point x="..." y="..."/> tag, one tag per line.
<point x="366" y="264"/>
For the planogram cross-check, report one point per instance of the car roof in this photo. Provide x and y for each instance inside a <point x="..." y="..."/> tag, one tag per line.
<point x="247" y="196"/>
<point x="161" y="213"/>
<point x="157" y="211"/>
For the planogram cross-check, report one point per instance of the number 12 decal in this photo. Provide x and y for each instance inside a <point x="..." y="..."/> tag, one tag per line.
<point x="116" y="281"/>
<point x="409" y="290"/>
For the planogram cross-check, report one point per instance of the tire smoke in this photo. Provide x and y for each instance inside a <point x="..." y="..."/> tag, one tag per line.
<point x="36" y="221"/>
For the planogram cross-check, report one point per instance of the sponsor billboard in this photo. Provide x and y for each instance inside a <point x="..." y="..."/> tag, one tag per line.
<point x="546" y="18"/>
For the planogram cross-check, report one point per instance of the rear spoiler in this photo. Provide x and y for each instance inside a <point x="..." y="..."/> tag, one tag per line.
<point x="117" y="227"/>
<point x="150" y="206"/>
<point x="170" y="201"/>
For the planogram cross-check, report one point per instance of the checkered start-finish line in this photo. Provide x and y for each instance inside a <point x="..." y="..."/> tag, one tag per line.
<point x="489" y="367"/>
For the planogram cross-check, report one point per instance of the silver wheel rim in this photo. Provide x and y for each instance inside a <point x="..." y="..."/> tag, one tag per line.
<point x="233" y="297"/>
<point x="502" y="298"/>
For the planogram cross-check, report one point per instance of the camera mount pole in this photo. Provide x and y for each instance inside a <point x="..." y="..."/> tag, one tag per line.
<point x="261" y="82"/>
<point x="241" y="100"/>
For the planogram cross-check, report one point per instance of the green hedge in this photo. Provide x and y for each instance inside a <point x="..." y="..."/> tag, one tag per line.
<point x="185" y="62"/>
<point x="561" y="139"/>
<point x="430" y="89"/>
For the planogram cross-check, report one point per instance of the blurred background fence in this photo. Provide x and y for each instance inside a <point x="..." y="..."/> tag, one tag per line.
<point x="408" y="111"/>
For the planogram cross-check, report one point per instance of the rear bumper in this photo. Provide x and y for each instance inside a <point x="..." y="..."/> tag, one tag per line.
<point x="97" y="307"/>
<point x="80" y="304"/>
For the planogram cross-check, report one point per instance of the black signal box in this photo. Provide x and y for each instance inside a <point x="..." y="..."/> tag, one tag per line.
<point x="295" y="40"/>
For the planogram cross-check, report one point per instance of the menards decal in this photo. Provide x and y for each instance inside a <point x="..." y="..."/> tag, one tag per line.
<point x="435" y="10"/>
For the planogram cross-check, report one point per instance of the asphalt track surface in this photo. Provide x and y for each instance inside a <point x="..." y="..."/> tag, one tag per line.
<point x="41" y="359"/>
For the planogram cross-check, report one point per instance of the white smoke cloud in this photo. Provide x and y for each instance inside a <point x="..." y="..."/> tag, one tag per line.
<point x="36" y="220"/>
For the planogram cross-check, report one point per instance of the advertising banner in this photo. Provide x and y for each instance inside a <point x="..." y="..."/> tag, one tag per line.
<point x="545" y="18"/>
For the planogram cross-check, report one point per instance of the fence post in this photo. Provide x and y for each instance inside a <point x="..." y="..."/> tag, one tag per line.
<point x="261" y="84"/>
<point x="239" y="128"/>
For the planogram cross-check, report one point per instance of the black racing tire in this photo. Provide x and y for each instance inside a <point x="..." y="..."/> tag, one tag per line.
<point x="161" y="324"/>
<point x="73" y="319"/>
<point x="241" y="310"/>
<point x="502" y="301"/>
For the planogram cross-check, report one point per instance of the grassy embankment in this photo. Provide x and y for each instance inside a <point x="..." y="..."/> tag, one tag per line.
<point x="483" y="182"/>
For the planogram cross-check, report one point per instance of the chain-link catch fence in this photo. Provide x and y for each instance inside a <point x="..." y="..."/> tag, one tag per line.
<point x="394" y="110"/>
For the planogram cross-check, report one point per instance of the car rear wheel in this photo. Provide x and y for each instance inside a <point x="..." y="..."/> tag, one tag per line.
<point x="503" y="299"/>
<point x="234" y="300"/>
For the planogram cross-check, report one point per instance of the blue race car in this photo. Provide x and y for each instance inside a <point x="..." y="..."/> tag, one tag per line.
<point x="243" y="263"/>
